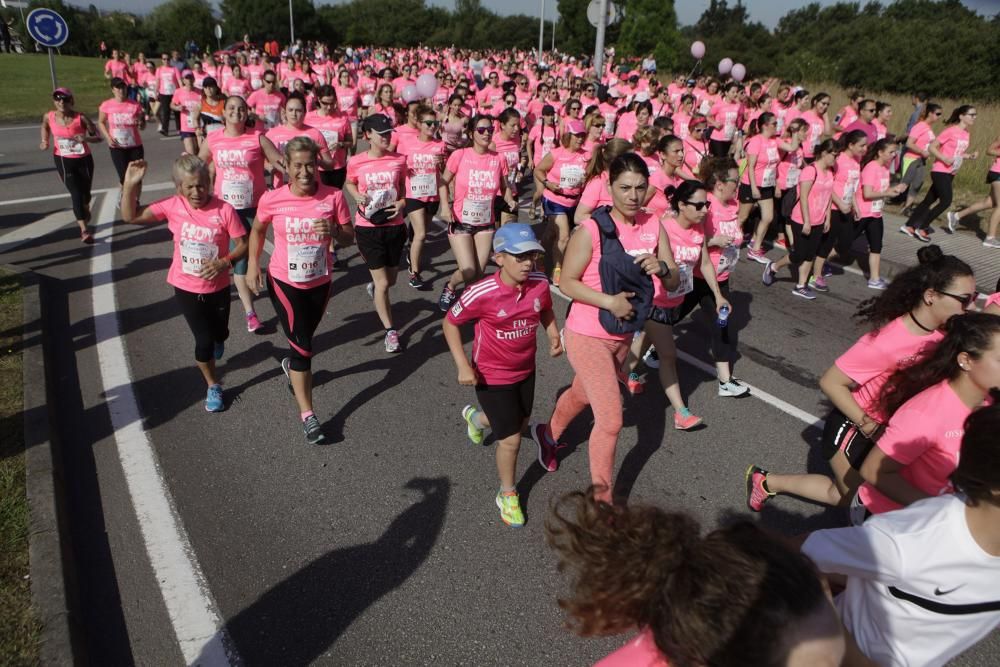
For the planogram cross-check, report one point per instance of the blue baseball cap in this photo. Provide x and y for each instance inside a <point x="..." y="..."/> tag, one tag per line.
<point x="516" y="238"/>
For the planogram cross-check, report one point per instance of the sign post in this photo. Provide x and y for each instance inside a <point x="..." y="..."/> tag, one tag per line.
<point x="49" y="29"/>
<point x="218" y="36"/>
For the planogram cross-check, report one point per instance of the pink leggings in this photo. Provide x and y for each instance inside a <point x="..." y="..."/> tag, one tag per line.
<point x="596" y="362"/>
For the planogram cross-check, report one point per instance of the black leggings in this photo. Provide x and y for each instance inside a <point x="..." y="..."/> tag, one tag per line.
<point x="165" y="112"/>
<point x="719" y="148"/>
<point x="207" y="316"/>
<point x="940" y="191"/>
<point x="805" y="248"/>
<point x="335" y="177"/>
<point x="840" y="236"/>
<point x="873" y="229"/>
<point x="299" y="311"/>
<point x="120" y="157"/>
<point x="701" y="295"/>
<point x="77" y="174"/>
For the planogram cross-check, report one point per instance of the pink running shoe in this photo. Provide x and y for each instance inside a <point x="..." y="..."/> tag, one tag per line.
<point x="546" y="447"/>
<point x="253" y="324"/>
<point x="757" y="494"/>
<point x="685" y="421"/>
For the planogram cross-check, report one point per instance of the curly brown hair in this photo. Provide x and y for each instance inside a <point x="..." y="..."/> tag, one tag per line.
<point x="723" y="599"/>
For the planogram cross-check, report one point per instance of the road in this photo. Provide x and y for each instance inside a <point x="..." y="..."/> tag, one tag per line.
<point x="385" y="547"/>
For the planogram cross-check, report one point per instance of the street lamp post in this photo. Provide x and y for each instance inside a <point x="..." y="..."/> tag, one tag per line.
<point x="541" y="33"/>
<point x="291" y="24"/>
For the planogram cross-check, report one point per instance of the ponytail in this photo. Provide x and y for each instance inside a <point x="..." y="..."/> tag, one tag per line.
<point x="958" y="113"/>
<point x="604" y="156"/>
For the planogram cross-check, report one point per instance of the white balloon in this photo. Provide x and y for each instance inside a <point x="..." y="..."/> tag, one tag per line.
<point x="725" y="66"/>
<point x="698" y="50"/>
<point x="738" y="72"/>
<point x="410" y="94"/>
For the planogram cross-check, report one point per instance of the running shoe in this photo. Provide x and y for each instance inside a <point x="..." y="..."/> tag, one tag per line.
<point x="213" y="401"/>
<point x="220" y="349"/>
<point x="416" y="282"/>
<point x="286" y="368"/>
<point x="313" y="431"/>
<point x="906" y="211"/>
<point x="635" y="384"/>
<point x="923" y="236"/>
<point x="906" y="229"/>
<point x="827" y="270"/>
<point x="253" y="324"/>
<point x="370" y="290"/>
<point x="685" y="421"/>
<point x="510" y="509"/>
<point x="878" y="283"/>
<point x="86" y="237"/>
<point x="805" y="292"/>
<point x="768" y="276"/>
<point x="447" y="298"/>
<point x="991" y="243"/>
<point x="556" y="273"/>
<point x="818" y="284"/>
<point x="952" y="221"/>
<point x="780" y="242"/>
<point x="472" y="429"/>
<point x="733" y="388"/>
<point x="546" y="448"/>
<point x="757" y="493"/>
<point x="651" y="358"/>
<point x="757" y="256"/>
<point x="392" y="341"/>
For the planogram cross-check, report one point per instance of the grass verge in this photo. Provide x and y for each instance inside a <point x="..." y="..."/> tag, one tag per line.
<point x="19" y="628"/>
<point x="28" y="85"/>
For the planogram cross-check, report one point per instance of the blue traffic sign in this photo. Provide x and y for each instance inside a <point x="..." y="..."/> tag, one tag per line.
<point x="47" y="28"/>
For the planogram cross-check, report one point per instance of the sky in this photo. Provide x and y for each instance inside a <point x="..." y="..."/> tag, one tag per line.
<point x="765" y="11"/>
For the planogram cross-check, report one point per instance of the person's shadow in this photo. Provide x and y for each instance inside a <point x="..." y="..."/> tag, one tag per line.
<point x="298" y="619"/>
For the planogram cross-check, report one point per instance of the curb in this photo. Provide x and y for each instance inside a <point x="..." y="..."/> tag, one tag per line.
<point x="48" y="550"/>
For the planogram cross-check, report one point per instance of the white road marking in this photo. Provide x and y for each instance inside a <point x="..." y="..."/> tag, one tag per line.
<point x="760" y="394"/>
<point x="196" y="621"/>
<point x="19" y="127"/>
<point x="149" y="187"/>
<point x="35" y="230"/>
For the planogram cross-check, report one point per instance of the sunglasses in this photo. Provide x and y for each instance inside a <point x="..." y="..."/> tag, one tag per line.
<point x="431" y="123"/>
<point x="531" y="256"/>
<point x="62" y="98"/>
<point x="270" y="80"/>
<point x="699" y="129"/>
<point x="699" y="205"/>
<point x="484" y="130"/>
<point x="965" y="299"/>
<point x="327" y="103"/>
<point x="598" y="125"/>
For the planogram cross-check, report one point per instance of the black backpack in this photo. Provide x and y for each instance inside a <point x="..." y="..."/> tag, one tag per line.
<point x="619" y="273"/>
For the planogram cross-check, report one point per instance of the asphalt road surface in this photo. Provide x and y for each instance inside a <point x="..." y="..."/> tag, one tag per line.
<point x="384" y="547"/>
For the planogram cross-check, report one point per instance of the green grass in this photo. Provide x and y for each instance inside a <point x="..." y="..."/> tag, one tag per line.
<point x="19" y="628"/>
<point x="27" y="85"/>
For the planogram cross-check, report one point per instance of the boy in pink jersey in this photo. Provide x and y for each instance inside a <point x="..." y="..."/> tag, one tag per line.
<point x="507" y="307"/>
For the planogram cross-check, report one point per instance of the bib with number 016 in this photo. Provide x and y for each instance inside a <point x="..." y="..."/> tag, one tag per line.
<point x="570" y="177"/>
<point x="195" y="255"/>
<point x="477" y="211"/>
<point x="306" y="262"/>
<point x="123" y="137"/>
<point x="237" y="193"/>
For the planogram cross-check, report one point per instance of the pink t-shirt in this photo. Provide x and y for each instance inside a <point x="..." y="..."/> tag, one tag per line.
<point x="239" y="87"/>
<point x="267" y="106"/>
<point x="300" y="254"/>
<point x="925" y="436"/>
<point x="239" y="168"/>
<point x="506" y="318"/>
<point x="790" y="168"/>
<point x="201" y="235"/>
<point x="877" y="355"/>
<point x="638" y="238"/>
<point x="694" y="152"/>
<point x="820" y="196"/>
<point x="596" y="192"/>
<point x="687" y="245"/>
<point x="846" y="178"/>
<point x="123" y="122"/>
<point x="652" y="162"/>
<point x="190" y="102"/>
<point x="348" y="99"/>
<point x="569" y="170"/>
<point x="681" y="121"/>
<point x="659" y="205"/>
<point x="382" y="179"/>
<point x="876" y="177"/>
<point x="478" y="179"/>
<point x="64" y="137"/>
<point x="424" y="160"/>
<point x="847" y="116"/>
<point x="544" y="138"/>
<point x="768" y="154"/>
<point x="722" y="220"/>
<point x="728" y="115"/>
<point x="167" y="80"/>
<point x="335" y="128"/>
<point x="627" y="125"/>
<point x="922" y="135"/>
<point x="952" y="143"/>
<point x="510" y="151"/>
<point x="816" y="128"/>
<point x="117" y="68"/>
<point x="641" y="651"/>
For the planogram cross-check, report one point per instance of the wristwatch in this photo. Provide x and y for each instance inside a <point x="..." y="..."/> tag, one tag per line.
<point x="664" y="269"/>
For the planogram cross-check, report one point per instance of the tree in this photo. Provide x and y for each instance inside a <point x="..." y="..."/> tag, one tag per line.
<point x="650" y="26"/>
<point x="173" y="23"/>
<point x="266" y="19"/>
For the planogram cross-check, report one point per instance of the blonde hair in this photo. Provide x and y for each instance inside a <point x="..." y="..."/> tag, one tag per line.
<point x="189" y="164"/>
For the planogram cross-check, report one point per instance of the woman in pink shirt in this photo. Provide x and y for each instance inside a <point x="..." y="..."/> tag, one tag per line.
<point x="869" y="199"/>
<point x="695" y="146"/>
<point x="237" y="85"/>
<point x="562" y="174"/>
<point x="671" y="151"/>
<point x="849" y="113"/>
<point x="758" y="184"/>
<point x="810" y="219"/>
<point x="735" y="596"/>
<point x="992" y="200"/>
<point x="905" y="320"/>
<point x="818" y="120"/>
<point x="883" y="116"/>
<point x="335" y="126"/>
<point x="682" y="117"/>
<point x="595" y="353"/>
<point x="187" y="102"/>
<point x="927" y="404"/>
<point x="915" y="157"/>
<point x="120" y="120"/>
<point x="203" y="227"/>
<point x="726" y="117"/>
<point x="846" y="180"/>
<point x="305" y="216"/>
<point x="295" y="126"/>
<point x="949" y="149"/>
<point x="384" y="103"/>
<point x="594" y="123"/>
<point x="596" y="192"/>
<point x="507" y="142"/>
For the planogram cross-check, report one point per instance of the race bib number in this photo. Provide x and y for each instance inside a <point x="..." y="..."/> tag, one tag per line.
<point x="192" y="118"/>
<point x="70" y="146"/>
<point x="849" y="190"/>
<point x="705" y="107"/>
<point x="270" y="119"/>
<point x="477" y="211"/>
<point x="792" y="179"/>
<point x="727" y="260"/>
<point x="168" y="87"/>
<point x="306" y="262"/>
<point x="378" y="200"/>
<point x="367" y="100"/>
<point x="686" y="284"/>
<point x="769" y="177"/>
<point x="332" y="138"/>
<point x="123" y="137"/>
<point x="956" y="164"/>
<point x="423" y="185"/>
<point x="571" y="177"/>
<point x="196" y="255"/>
<point x="729" y="128"/>
<point x="877" y="205"/>
<point x="239" y="194"/>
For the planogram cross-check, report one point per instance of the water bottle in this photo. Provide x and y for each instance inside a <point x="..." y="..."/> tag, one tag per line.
<point x="723" y="319"/>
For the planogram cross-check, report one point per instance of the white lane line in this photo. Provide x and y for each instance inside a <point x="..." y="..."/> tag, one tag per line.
<point x="196" y="621"/>
<point x="760" y="394"/>
<point x="35" y="230"/>
<point x="19" y="127"/>
<point x="29" y="200"/>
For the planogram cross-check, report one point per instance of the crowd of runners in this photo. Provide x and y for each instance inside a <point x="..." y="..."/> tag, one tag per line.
<point x="648" y="194"/>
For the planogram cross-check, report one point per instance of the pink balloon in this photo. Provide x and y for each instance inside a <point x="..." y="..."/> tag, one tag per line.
<point x="427" y="85"/>
<point x="725" y="66"/>
<point x="410" y="94"/>
<point x="738" y="72"/>
<point x="698" y="50"/>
